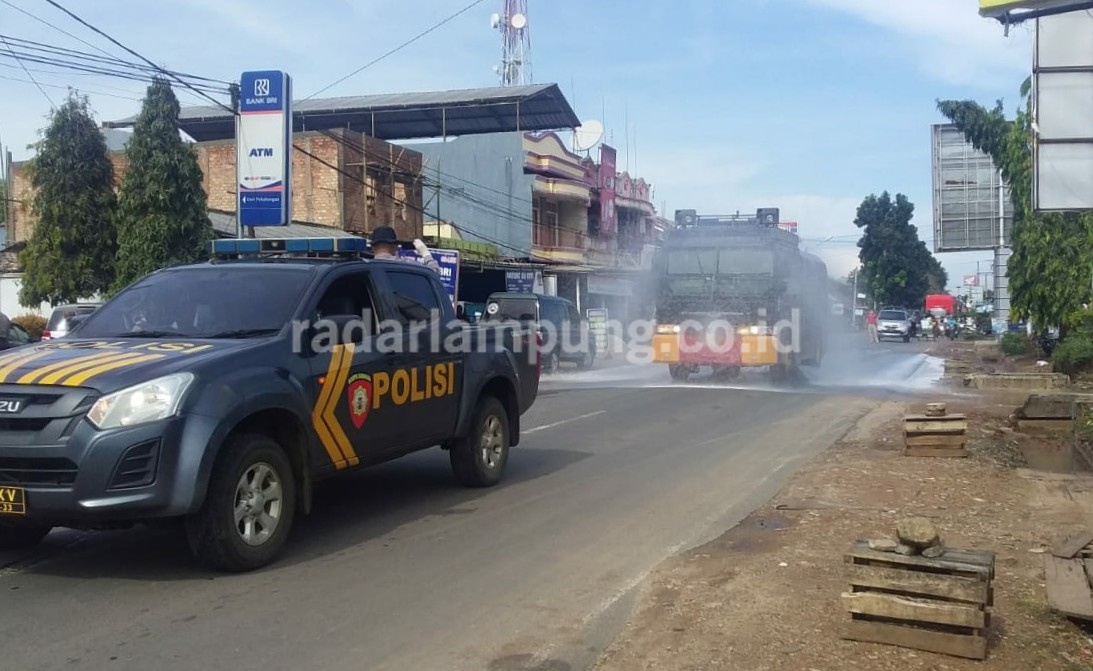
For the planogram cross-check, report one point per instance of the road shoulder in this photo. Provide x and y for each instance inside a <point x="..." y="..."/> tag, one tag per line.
<point x="766" y="593"/>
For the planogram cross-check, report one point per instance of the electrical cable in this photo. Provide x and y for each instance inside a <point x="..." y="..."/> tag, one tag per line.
<point x="395" y="50"/>
<point x="137" y="55"/>
<point x="50" y="50"/>
<point x="54" y="26"/>
<point x="52" y="104"/>
<point x="404" y="203"/>
<point x="61" y="86"/>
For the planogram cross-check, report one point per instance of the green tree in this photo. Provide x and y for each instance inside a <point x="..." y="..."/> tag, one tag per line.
<point x="70" y="254"/>
<point x="1052" y="262"/>
<point x="163" y="215"/>
<point x="897" y="268"/>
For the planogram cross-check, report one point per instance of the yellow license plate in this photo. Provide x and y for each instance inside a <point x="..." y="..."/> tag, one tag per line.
<point x="13" y="501"/>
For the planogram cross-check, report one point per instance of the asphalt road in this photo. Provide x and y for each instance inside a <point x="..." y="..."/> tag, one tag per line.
<point x="400" y="569"/>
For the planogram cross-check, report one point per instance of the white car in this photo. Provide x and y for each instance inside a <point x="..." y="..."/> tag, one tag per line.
<point x="894" y="324"/>
<point x="58" y="324"/>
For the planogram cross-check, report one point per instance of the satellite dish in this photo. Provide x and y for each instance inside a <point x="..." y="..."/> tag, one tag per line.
<point x="519" y="21"/>
<point x="587" y="135"/>
<point x="495" y="20"/>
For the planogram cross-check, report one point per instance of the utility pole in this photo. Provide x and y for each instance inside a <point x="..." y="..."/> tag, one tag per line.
<point x="854" y="310"/>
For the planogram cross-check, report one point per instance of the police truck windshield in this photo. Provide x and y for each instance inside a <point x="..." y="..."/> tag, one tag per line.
<point x="205" y="301"/>
<point x="720" y="262"/>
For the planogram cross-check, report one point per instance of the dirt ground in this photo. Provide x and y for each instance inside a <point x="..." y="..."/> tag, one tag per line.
<point x="766" y="594"/>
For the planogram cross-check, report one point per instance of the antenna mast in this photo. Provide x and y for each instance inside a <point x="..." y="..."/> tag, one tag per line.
<point x="515" y="68"/>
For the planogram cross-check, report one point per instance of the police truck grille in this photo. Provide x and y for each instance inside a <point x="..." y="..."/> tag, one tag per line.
<point x="42" y="472"/>
<point x="46" y="417"/>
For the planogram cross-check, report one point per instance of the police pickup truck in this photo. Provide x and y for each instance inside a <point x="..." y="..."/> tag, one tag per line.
<point x="218" y="393"/>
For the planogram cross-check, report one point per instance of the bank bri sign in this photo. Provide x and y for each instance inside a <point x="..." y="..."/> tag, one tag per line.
<point x="263" y="149"/>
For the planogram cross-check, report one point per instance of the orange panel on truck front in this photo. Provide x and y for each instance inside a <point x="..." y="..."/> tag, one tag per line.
<point x="758" y="350"/>
<point x="666" y="348"/>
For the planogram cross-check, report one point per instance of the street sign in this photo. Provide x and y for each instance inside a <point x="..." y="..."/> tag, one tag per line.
<point x="597" y="326"/>
<point x="448" y="260"/>
<point x="967" y="200"/>
<point x="524" y="281"/>
<point x="997" y="8"/>
<point x="264" y="149"/>
<point x="1062" y="178"/>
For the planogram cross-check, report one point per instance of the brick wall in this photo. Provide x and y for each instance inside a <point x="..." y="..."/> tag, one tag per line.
<point x="324" y="195"/>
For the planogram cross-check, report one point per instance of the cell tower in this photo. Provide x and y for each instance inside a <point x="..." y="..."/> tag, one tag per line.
<point x="515" y="68"/>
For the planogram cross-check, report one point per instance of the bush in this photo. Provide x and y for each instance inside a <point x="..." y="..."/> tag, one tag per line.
<point x="1074" y="354"/>
<point x="1015" y="344"/>
<point x="32" y="324"/>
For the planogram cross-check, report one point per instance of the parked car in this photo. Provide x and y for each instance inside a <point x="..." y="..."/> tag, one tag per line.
<point x="570" y="338"/>
<point x="894" y="324"/>
<point x="60" y="319"/>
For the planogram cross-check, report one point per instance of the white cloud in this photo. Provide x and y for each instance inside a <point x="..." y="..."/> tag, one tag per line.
<point x="949" y="38"/>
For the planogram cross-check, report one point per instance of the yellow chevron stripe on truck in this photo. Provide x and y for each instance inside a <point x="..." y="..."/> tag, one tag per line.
<point x="10" y="365"/>
<point x="330" y="433"/>
<point x="76" y="379"/>
<point x="62" y="366"/>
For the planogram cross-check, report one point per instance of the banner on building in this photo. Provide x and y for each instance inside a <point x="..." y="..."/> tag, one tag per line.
<point x="608" y="172"/>
<point x="597" y="327"/>
<point x="524" y="281"/>
<point x="263" y="147"/>
<point x="448" y="260"/>
<point x="790" y="226"/>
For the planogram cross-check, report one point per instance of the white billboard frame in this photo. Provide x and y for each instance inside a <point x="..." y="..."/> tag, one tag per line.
<point x="1063" y="113"/>
<point x="967" y="191"/>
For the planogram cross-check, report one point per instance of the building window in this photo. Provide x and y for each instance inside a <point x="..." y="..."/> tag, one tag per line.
<point x="550" y="213"/>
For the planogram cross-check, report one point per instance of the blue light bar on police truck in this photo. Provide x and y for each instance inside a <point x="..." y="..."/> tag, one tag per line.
<point x="234" y="247"/>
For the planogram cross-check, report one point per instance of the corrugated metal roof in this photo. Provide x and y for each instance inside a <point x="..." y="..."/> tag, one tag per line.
<point x="224" y="225"/>
<point x="406" y="116"/>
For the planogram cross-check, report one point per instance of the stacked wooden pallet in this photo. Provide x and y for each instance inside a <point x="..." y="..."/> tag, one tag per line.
<point x="938" y="605"/>
<point x="1069" y="572"/>
<point x="935" y="433"/>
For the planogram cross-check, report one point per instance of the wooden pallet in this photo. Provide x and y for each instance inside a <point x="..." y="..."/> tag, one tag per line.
<point x="1068" y="572"/>
<point x="938" y="605"/>
<point x="935" y="436"/>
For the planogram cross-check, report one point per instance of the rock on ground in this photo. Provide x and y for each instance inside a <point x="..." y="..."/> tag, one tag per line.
<point x="917" y="532"/>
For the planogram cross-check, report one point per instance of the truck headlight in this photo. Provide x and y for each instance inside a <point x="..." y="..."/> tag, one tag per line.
<point x="754" y="330"/>
<point x="145" y="402"/>
<point x="667" y="329"/>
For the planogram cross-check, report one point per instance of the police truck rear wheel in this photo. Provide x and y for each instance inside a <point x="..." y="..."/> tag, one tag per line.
<point x="249" y="508"/>
<point x="20" y="535"/>
<point x="679" y="373"/>
<point x="479" y="458"/>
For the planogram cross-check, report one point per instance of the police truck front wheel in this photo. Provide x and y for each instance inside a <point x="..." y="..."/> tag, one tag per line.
<point x="478" y="459"/>
<point x="17" y="535"/>
<point x="249" y="508"/>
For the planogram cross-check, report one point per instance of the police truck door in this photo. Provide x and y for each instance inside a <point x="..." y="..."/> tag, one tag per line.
<point x="344" y="416"/>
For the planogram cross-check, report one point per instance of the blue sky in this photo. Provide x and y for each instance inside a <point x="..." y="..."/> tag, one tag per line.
<point x="805" y="105"/>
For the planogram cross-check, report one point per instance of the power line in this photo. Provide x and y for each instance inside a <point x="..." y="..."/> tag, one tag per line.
<point x="51" y="50"/>
<point x="82" y="68"/>
<point x="60" y="86"/>
<point x="134" y="53"/>
<point x="52" y="104"/>
<point x="404" y="203"/>
<point x="395" y="50"/>
<point x="55" y="27"/>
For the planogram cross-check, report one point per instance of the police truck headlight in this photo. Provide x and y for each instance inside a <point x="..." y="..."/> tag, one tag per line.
<point x="667" y="329"/>
<point x="145" y="402"/>
<point x="754" y="330"/>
